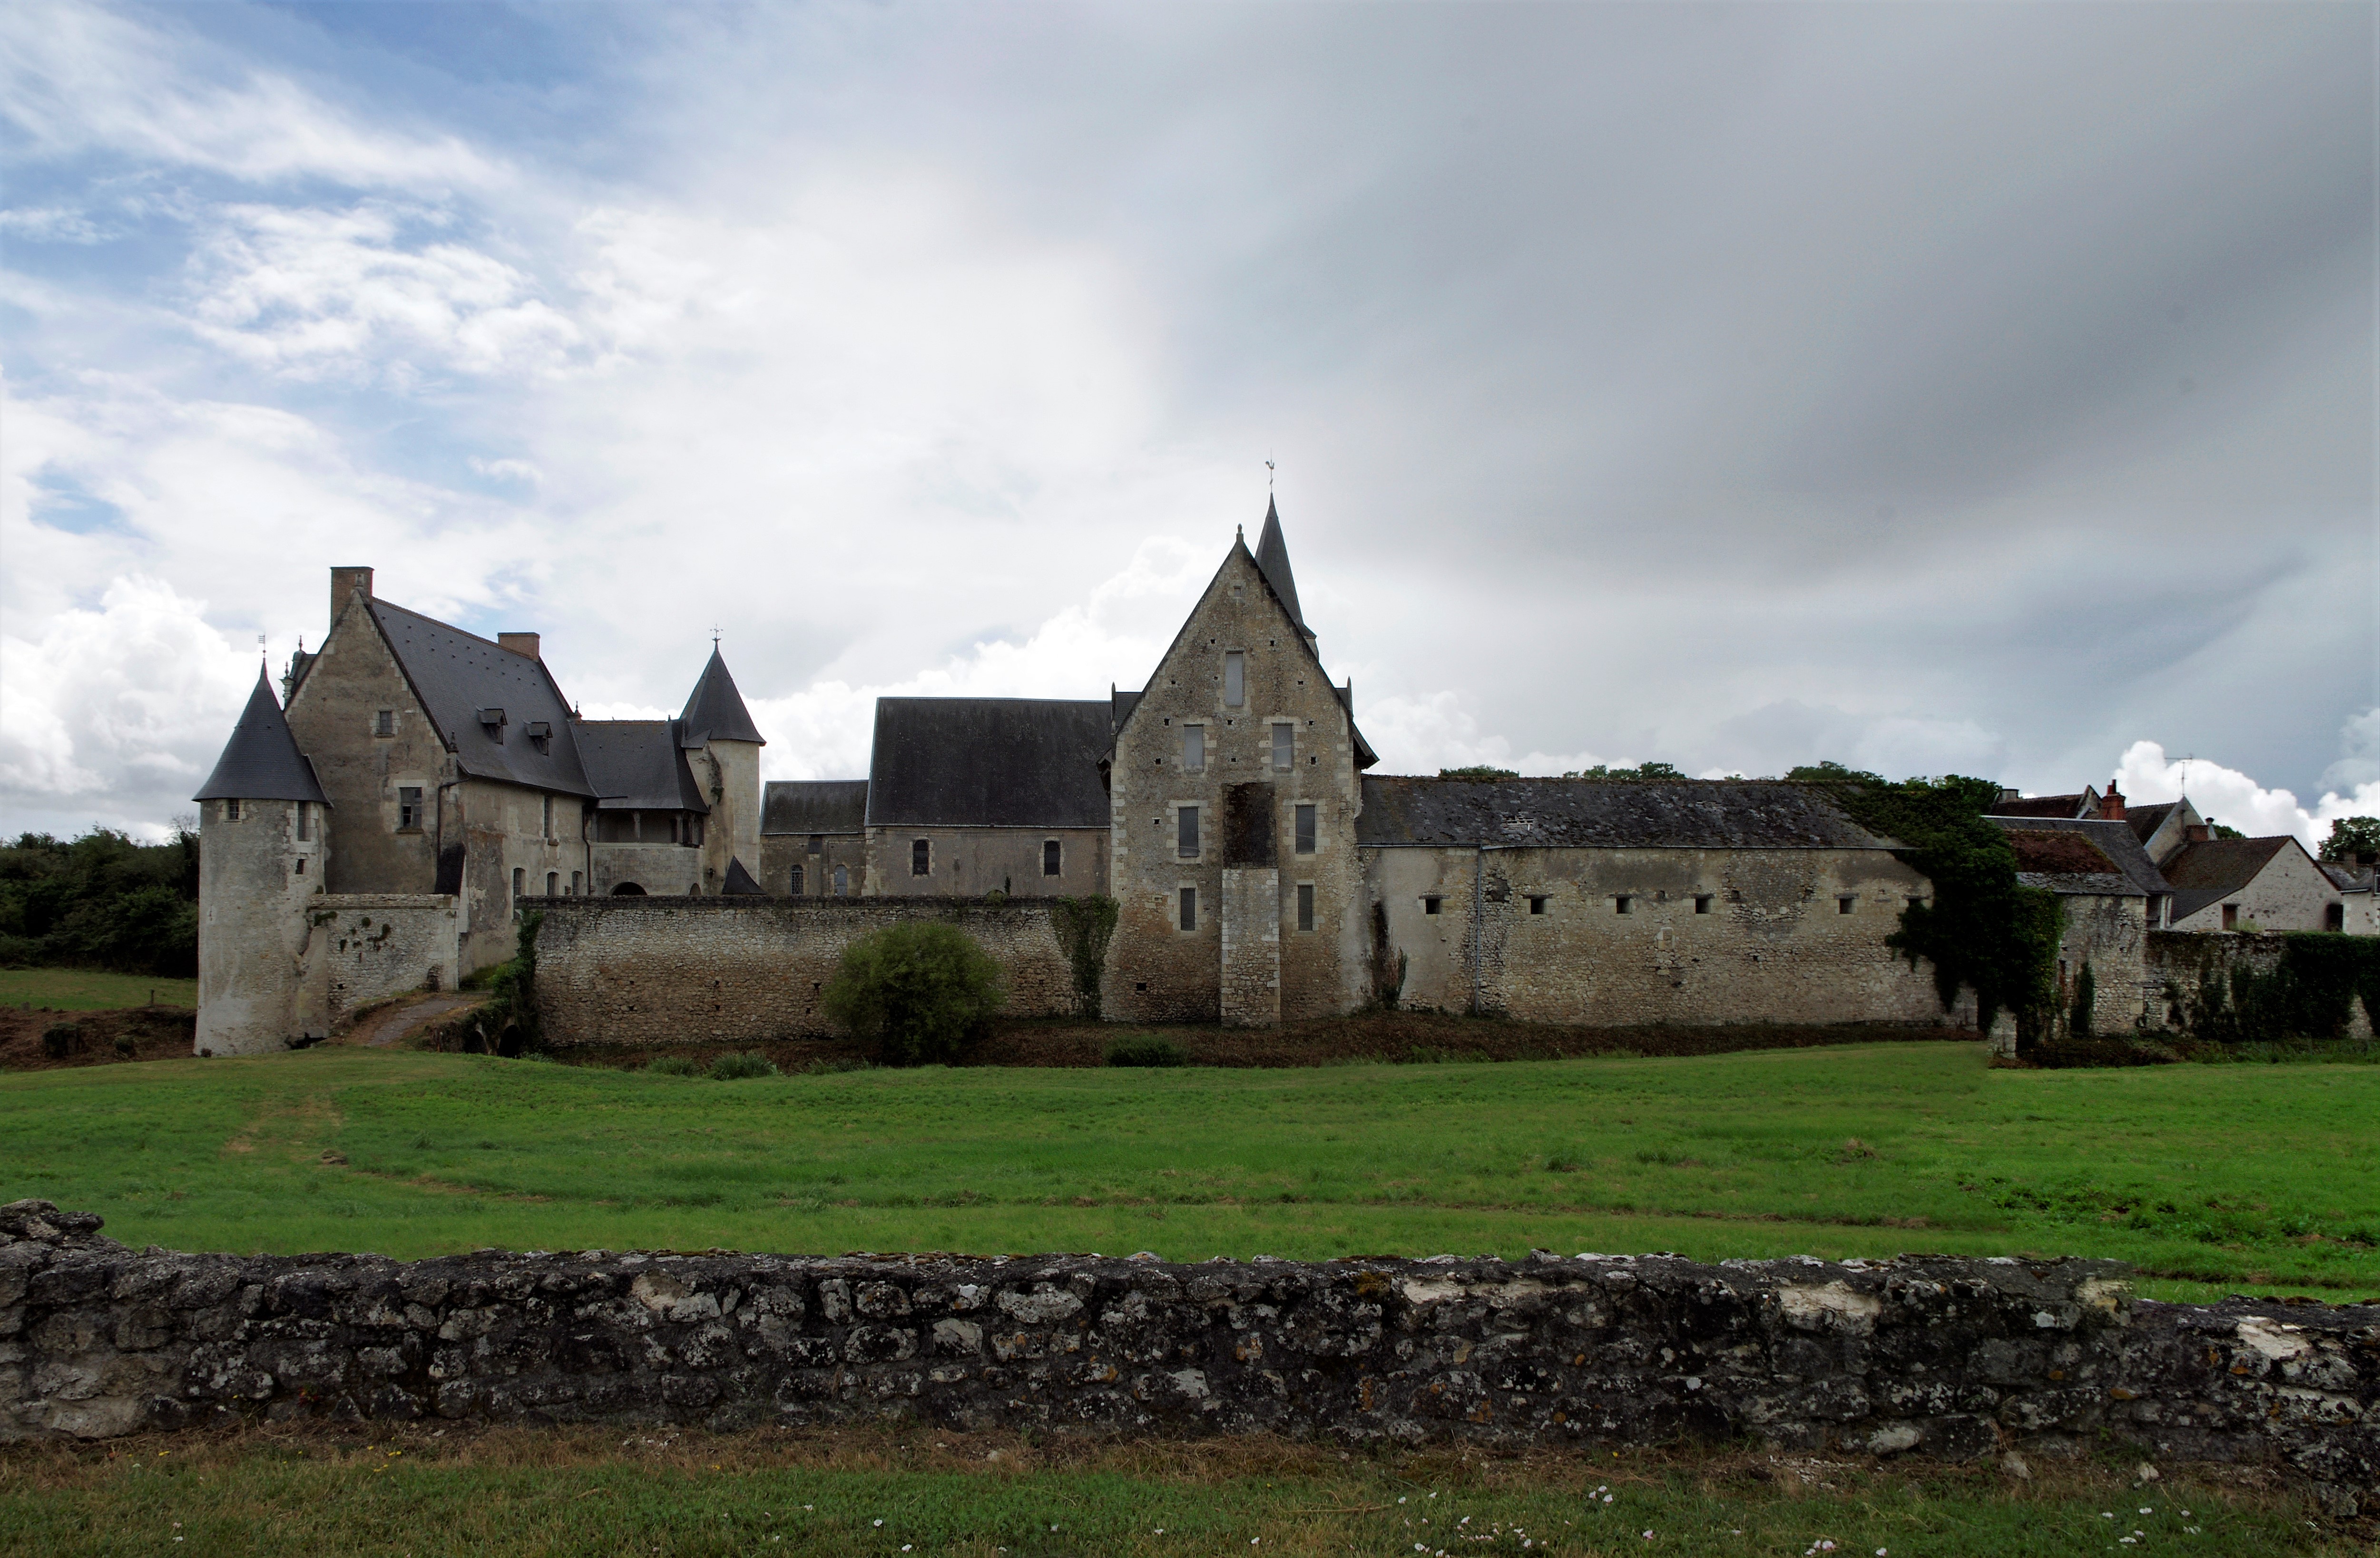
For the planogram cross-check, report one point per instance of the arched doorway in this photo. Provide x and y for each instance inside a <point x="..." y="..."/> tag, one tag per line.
<point x="627" y="890"/>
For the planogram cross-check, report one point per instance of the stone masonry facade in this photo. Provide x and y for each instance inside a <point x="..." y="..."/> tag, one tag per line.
<point x="647" y="970"/>
<point x="1946" y="1357"/>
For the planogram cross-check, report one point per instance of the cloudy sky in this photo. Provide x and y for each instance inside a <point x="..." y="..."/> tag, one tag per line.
<point x="1985" y="388"/>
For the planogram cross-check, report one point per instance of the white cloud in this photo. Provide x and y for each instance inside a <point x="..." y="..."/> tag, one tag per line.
<point x="2229" y="796"/>
<point x="77" y="79"/>
<point x="117" y="711"/>
<point x="358" y="292"/>
<point x="1421" y="733"/>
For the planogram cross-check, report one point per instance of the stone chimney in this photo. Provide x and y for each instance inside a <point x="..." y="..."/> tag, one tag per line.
<point x="519" y="643"/>
<point x="346" y="582"/>
<point x="2111" y="805"/>
<point x="2197" y="833"/>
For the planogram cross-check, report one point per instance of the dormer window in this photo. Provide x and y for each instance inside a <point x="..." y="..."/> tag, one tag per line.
<point x="538" y="733"/>
<point x="492" y="721"/>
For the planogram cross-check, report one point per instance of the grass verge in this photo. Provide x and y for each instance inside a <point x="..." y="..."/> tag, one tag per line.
<point x="86" y="990"/>
<point x="915" y="1489"/>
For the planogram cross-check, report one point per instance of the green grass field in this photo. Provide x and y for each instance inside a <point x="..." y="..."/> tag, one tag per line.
<point x="923" y="1491"/>
<point x="83" y="990"/>
<point x="2208" y="1179"/>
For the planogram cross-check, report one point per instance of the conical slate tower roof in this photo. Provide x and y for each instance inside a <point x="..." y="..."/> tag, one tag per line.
<point x="1272" y="560"/>
<point x="262" y="761"/>
<point x="715" y="710"/>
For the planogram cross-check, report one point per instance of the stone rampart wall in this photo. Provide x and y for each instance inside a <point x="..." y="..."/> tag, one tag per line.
<point x="367" y="947"/>
<point x="1943" y="1356"/>
<point x="650" y="970"/>
<point x="2175" y="961"/>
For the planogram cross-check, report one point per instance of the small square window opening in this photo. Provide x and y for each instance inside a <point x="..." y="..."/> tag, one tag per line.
<point x="1623" y="904"/>
<point x="1536" y="903"/>
<point x="1846" y="904"/>
<point x="1429" y="905"/>
<point x="1306" y="906"/>
<point x="1702" y="903"/>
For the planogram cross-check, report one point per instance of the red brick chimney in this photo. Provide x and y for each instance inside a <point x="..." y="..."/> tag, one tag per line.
<point x="519" y="643"/>
<point x="2197" y="833"/>
<point x="2111" y="805"/>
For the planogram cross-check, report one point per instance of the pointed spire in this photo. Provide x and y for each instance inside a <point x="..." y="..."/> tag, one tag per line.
<point x="1272" y="560"/>
<point x="715" y="710"/>
<point x="262" y="761"/>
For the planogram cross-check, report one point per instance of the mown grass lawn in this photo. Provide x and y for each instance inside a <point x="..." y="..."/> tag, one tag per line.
<point x="920" y="1490"/>
<point x="2209" y="1180"/>
<point x="85" y="990"/>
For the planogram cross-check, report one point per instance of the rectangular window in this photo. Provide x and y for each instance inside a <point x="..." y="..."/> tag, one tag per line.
<point x="1846" y="903"/>
<point x="547" y="818"/>
<point x="2230" y="910"/>
<point x="1702" y="903"/>
<point x="305" y="821"/>
<point x="408" y="807"/>
<point x="1429" y="905"/>
<point x="1306" y="906"/>
<point x="842" y="881"/>
<point x="1049" y="857"/>
<point x="1185" y="833"/>
<point x="818" y="842"/>
<point x="1235" y="678"/>
<point x="1305" y="829"/>
<point x="797" y="882"/>
<point x="1537" y="904"/>
<point x="1623" y="904"/>
<point x="384" y="722"/>
<point x="552" y="883"/>
<point x="576" y="885"/>
<point x="1284" y="748"/>
<point x="521" y="881"/>
<point x="1189" y="909"/>
<point x="1194" y="748"/>
<point x="302" y="865"/>
<point x="921" y="857"/>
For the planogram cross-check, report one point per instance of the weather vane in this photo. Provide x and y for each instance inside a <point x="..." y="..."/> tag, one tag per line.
<point x="714" y="638"/>
<point x="260" y="647"/>
<point x="1268" y="473"/>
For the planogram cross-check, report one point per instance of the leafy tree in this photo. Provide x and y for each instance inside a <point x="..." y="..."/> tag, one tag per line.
<point x="920" y="991"/>
<point x="2216" y="830"/>
<point x="2351" y="839"/>
<point x="1478" y="771"/>
<point x="1640" y="773"/>
<point x="102" y="901"/>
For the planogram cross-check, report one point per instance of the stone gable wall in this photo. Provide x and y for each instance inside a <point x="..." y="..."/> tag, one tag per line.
<point x="658" y="970"/>
<point x="1947" y="1357"/>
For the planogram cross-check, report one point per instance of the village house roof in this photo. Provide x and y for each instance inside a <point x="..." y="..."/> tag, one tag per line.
<point x="489" y="704"/>
<point x="262" y="761"/>
<point x="792" y="806"/>
<point x="2145" y="820"/>
<point x="1593" y="814"/>
<point x="988" y="763"/>
<point x="2116" y="866"/>
<point x="2217" y="868"/>
<point x="2347" y="879"/>
<point x="636" y="765"/>
<point x="2070" y="807"/>
<point x="714" y="710"/>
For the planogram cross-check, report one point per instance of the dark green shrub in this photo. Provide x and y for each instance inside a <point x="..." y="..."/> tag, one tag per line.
<point x="61" y="1039"/>
<point x="920" y="992"/>
<point x="2086" y="1002"/>
<point x="741" y="1068"/>
<point x="1147" y="1049"/>
<point x="127" y="1046"/>
<point x="101" y="901"/>
<point x="506" y="1022"/>
<point x="1084" y="926"/>
<point x="672" y="1066"/>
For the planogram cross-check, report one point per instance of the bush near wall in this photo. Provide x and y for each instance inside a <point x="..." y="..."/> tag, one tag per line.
<point x="2309" y="994"/>
<point x="101" y="901"/>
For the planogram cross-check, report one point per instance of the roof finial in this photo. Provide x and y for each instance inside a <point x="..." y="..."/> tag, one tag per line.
<point x="714" y="638"/>
<point x="261" y="655"/>
<point x="1269" y="470"/>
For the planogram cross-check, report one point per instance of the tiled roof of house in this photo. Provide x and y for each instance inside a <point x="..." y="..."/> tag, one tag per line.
<point x="262" y="761"/>
<point x="2217" y="868"/>
<point x="459" y="675"/>
<point x="2116" y="853"/>
<point x="1588" y="813"/>
<point x="988" y="763"/>
<point x="637" y="765"/>
<point x="2068" y="806"/>
<point x="795" y="806"/>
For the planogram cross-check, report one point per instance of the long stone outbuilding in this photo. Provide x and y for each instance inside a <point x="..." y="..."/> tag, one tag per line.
<point x="1951" y="1357"/>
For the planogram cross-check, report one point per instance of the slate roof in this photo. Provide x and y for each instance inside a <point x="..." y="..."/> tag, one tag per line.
<point x="1119" y="705"/>
<point x="2347" y="879"/>
<point x="988" y="763"/>
<point x="1272" y="562"/>
<point x="456" y="674"/>
<point x="2070" y="807"/>
<point x="2133" y="873"/>
<point x="1589" y="814"/>
<point x="262" y="761"/>
<point x="739" y="883"/>
<point x="813" y="806"/>
<point x="2145" y="820"/>
<point x="714" y="710"/>
<point x="636" y="765"/>
<point x="2203" y="873"/>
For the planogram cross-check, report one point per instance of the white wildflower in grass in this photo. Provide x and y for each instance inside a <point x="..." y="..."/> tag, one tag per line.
<point x="879" y="1522"/>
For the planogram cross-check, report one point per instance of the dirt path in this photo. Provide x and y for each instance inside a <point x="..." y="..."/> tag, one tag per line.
<point x="387" y="1027"/>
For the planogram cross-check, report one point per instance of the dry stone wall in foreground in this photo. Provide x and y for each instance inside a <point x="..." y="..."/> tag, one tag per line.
<point x="1942" y="1356"/>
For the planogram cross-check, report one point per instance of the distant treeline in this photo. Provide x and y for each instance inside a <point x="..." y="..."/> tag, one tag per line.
<point x="101" y="901"/>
